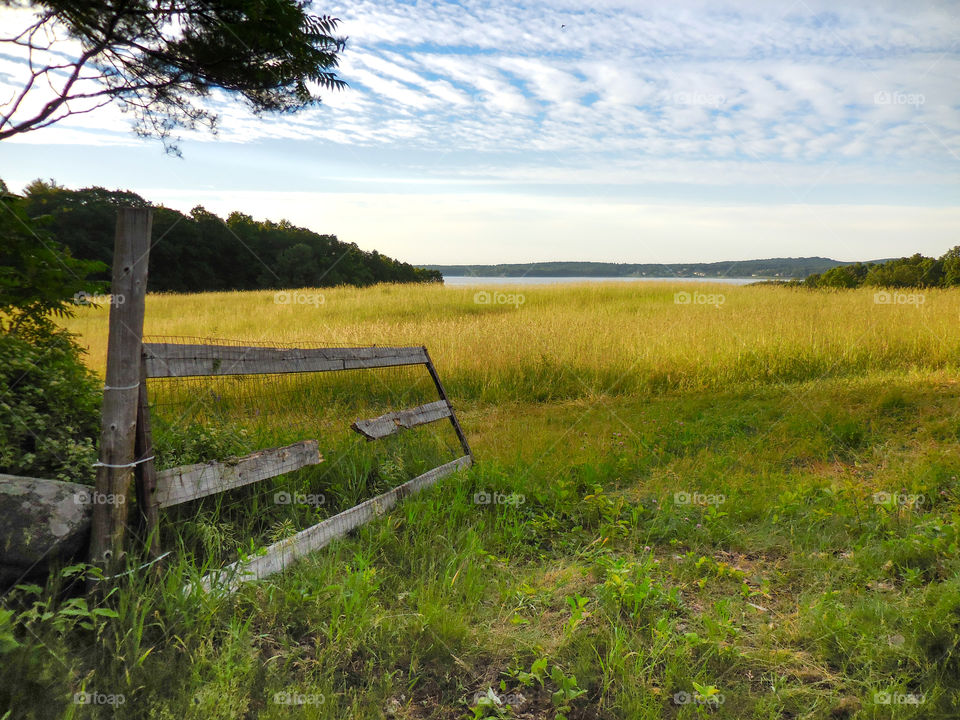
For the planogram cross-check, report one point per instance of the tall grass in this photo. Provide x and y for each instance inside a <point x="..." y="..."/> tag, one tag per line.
<point x="576" y="341"/>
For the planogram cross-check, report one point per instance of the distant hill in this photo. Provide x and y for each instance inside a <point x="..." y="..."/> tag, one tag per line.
<point x="780" y="268"/>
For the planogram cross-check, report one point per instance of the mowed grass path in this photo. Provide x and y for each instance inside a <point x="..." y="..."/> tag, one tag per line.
<point x="739" y="510"/>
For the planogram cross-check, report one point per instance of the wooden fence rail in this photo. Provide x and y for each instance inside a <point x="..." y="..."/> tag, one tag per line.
<point x="392" y="422"/>
<point x="190" y="482"/>
<point x="168" y="360"/>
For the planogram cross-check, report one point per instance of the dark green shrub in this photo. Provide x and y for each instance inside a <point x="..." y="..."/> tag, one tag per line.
<point x="49" y="401"/>
<point x="49" y="408"/>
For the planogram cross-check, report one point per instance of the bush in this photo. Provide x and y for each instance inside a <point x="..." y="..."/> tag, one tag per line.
<point x="49" y="414"/>
<point x="49" y="410"/>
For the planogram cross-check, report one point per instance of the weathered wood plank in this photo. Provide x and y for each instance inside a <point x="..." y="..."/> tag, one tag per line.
<point x="121" y="393"/>
<point x="281" y="554"/>
<point x="179" y="360"/>
<point x="190" y="482"/>
<point x="392" y="422"/>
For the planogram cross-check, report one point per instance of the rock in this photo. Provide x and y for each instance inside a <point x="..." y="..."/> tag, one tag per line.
<point x="42" y="521"/>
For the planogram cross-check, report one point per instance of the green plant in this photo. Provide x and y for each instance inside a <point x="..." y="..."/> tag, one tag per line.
<point x="578" y="612"/>
<point x="537" y="674"/>
<point x="179" y="443"/>
<point x="564" y="687"/>
<point x="49" y="410"/>
<point x="567" y="691"/>
<point x="628" y="587"/>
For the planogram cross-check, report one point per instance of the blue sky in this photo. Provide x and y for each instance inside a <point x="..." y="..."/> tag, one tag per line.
<point x="639" y="132"/>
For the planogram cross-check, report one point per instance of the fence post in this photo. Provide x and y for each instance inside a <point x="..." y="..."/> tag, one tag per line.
<point x="121" y="393"/>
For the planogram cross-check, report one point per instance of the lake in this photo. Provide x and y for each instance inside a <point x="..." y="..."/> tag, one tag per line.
<point x="529" y="280"/>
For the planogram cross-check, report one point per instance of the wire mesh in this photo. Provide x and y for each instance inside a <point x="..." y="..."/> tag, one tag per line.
<point x="199" y="419"/>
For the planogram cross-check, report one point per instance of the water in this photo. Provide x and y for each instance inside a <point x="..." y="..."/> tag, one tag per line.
<point x="455" y="280"/>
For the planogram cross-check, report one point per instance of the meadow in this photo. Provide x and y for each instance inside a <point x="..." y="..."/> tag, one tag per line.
<point x="737" y="502"/>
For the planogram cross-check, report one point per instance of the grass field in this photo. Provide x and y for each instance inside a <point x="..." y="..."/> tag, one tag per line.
<point x="742" y="506"/>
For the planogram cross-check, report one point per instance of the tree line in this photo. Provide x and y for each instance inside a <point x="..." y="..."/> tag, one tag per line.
<point x="916" y="271"/>
<point x="201" y="251"/>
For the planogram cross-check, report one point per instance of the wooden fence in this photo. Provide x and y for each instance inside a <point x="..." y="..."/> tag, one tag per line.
<point x="127" y="453"/>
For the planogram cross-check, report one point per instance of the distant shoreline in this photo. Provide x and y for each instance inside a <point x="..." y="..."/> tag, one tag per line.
<point x="469" y="280"/>
<point x="756" y="270"/>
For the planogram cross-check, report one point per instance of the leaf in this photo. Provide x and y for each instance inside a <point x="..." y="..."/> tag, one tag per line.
<point x="72" y="570"/>
<point x="29" y="589"/>
<point x="75" y="612"/>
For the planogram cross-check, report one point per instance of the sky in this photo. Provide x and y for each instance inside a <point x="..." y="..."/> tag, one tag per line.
<point x="488" y="132"/>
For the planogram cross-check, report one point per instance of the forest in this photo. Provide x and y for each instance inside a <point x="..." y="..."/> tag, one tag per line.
<point x="203" y="252"/>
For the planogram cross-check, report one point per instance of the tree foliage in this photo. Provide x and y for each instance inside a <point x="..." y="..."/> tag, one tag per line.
<point x="157" y="57"/>
<point x="39" y="278"/>
<point x="201" y="251"/>
<point x="916" y="271"/>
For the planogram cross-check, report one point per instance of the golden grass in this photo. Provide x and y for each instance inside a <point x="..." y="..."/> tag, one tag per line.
<point x="568" y="341"/>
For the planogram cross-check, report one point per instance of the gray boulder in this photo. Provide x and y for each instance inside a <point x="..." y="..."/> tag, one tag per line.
<point x="41" y="521"/>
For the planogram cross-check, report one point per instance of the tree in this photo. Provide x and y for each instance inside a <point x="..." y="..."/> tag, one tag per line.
<point x="39" y="278"/>
<point x="157" y="57"/>
<point x="951" y="266"/>
<point x="843" y="276"/>
<point x="296" y="266"/>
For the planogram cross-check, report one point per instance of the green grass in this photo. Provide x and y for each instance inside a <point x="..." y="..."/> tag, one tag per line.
<point x="815" y="575"/>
